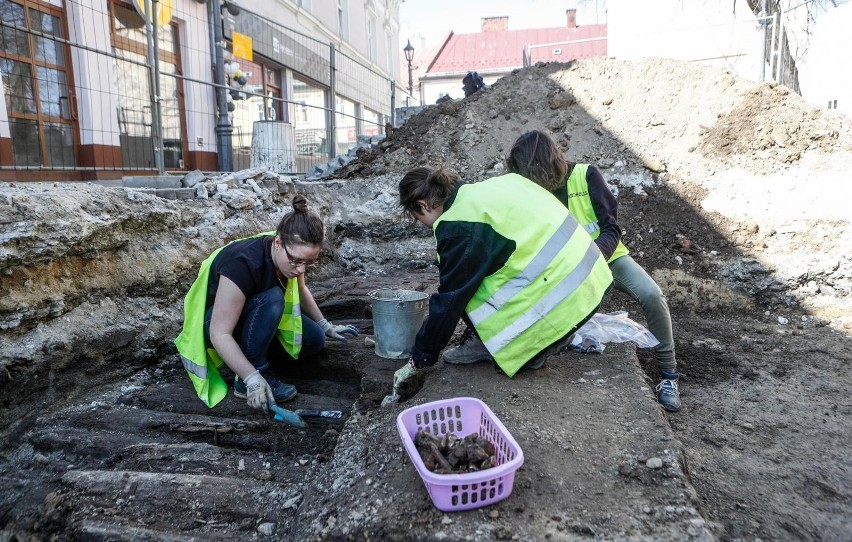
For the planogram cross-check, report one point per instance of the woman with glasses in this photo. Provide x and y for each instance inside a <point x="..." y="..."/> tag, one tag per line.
<point x="247" y="294"/>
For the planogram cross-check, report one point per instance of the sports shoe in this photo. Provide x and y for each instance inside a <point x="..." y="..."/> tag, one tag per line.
<point x="280" y="390"/>
<point x="667" y="392"/>
<point x="470" y="350"/>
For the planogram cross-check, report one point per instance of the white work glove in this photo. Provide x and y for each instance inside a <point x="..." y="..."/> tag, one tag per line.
<point x="258" y="393"/>
<point x="407" y="380"/>
<point x="336" y="332"/>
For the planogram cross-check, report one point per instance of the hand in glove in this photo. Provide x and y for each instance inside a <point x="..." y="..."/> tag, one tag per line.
<point x="336" y="332"/>
<point x="258" y="393"/>
<point x="408" y="380"/>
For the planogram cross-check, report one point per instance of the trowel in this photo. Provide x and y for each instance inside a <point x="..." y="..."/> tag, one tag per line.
<point x="287" y="416"/>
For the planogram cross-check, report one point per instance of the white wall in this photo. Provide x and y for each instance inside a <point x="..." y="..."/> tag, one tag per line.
<point x="824" y="74"/>
<point x="707" y="31"/>
<point x="196" y="61"/>
<point x="319" y="21"/>
<point x="94" y="78"/>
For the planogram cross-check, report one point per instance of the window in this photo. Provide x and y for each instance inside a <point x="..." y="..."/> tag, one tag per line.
<point x="371" y="123"/>
<point x="247" y="109"/>
<point x="342" y="19"/>
<point x="309" y="123"/>
<point x="371" y="37"/>
<point x="134" y="90"/>
<point x="346" y="125"/>
<point x="37" y="87"/>
<point x="262" y="101"/>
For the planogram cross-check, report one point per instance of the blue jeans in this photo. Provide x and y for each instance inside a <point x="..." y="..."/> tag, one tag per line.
<point x="630" y="278"/>
<point x="258" y="325"/>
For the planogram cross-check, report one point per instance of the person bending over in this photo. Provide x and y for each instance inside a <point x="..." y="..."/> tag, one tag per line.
<point x="513" y="263"/>
<point x="247" y="294"/>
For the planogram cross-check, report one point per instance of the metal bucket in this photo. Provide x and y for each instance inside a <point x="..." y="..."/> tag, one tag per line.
<point x="397" y="317"/>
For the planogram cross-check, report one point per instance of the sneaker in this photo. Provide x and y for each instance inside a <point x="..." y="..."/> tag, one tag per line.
<point x="280" y="391"/>
<point x="667" y="392"/>
<point x="471" y="350"/>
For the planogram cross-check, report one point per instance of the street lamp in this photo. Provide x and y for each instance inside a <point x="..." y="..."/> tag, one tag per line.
<point x="409" y="55"/>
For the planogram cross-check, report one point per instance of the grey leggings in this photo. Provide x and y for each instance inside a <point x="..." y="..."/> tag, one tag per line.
<point x="630" y="278"/>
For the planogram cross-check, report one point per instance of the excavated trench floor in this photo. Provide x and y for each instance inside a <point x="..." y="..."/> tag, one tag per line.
<point x="144" y="459"/>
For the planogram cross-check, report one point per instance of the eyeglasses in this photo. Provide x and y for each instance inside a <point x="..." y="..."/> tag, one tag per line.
<point x="296" y="262"/>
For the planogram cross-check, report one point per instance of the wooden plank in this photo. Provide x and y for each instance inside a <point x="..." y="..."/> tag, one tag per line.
<point x="162" y="495"/>
<point x="118" y="531"/>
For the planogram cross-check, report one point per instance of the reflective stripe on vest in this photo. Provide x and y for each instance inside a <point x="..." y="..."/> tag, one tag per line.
<point x="290" y="325"/>
<point x="529" y="273"/>
<point x="198" y="370"/>
<point x="549" y="302"/>
<point x="554" y="279"/>
<point x="202" y="363"/>
<point x="580" y="204"/>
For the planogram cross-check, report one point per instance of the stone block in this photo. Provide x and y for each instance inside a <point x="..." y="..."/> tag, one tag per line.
<point x="192" y="178"/>
<point x="166" y="193"/>
<point x="151" y="181"/>
<point x="185" y="193"/>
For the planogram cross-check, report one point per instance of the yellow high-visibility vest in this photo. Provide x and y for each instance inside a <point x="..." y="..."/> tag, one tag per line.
<point x="202" y="363"/>
<point x="580" y="204"/>
<point x="555" y="278"/>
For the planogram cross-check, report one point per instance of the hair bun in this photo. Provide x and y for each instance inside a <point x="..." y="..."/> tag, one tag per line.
<point x="300" y="203"/>
<point x="442" y="177"/>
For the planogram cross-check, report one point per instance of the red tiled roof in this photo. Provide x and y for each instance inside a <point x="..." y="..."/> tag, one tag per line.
<point x="484" y="51"/>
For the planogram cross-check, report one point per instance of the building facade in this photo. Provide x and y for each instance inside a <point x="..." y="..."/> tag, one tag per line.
<point x="79" y="101"/>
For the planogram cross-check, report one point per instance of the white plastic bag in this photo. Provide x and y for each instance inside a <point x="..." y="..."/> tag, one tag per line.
<point x="613" y="327"/>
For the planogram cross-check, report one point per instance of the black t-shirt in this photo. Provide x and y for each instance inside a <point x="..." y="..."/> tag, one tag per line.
<point x="248" y="263"/>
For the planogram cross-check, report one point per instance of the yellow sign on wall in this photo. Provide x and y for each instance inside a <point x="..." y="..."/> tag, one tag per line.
<point x="242" y="46"/>
<point x="165" y="10"/>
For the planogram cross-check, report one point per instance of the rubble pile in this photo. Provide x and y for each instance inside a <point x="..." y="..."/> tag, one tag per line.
<point x="667" y="117"/>
<point x="363" y="144"/>
<point x="246" y="189"/>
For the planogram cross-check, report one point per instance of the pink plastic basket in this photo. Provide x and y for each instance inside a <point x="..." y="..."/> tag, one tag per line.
<point x="462" y="416"/>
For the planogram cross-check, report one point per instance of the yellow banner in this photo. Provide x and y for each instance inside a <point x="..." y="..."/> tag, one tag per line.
<point x="242" y="46"/>
<point x="165" y="10"/>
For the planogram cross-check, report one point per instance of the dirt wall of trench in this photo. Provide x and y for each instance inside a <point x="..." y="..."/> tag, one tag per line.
<point x="93" y="278"/>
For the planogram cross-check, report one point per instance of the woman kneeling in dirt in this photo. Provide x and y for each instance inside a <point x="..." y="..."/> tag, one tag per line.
<point x="513" y="263"/>
<point x="582" y="189"/>
<point x="247" y="293"/>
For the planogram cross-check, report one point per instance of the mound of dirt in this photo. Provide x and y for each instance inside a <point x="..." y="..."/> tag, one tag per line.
<point x="663" y="114"/>
<point x="705" y="165"/>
